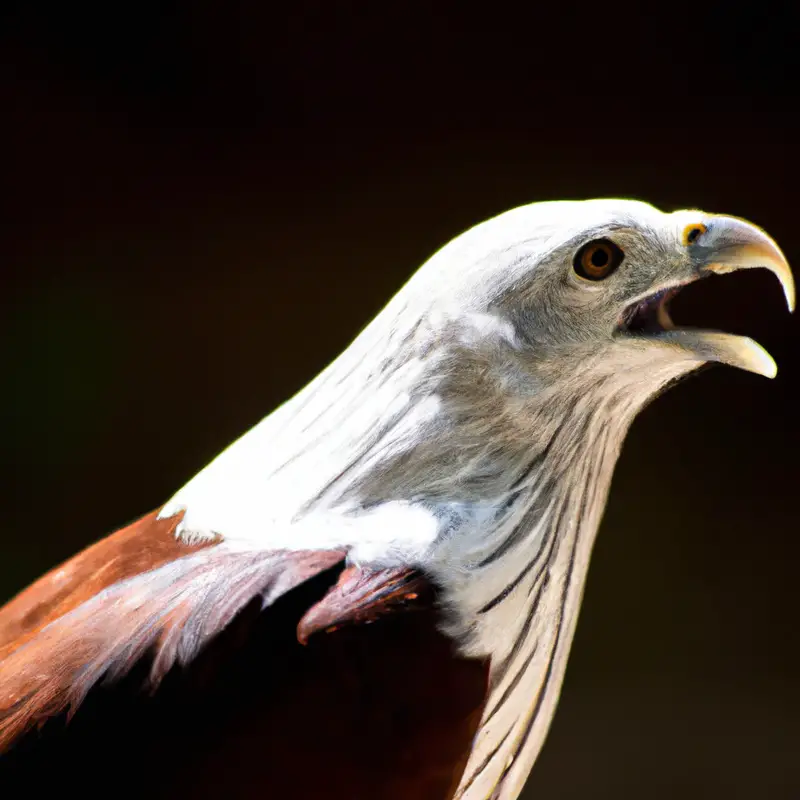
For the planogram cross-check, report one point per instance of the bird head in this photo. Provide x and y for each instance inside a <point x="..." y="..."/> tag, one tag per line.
<point x="584" y="286"/>
<point x="541" y="331"/>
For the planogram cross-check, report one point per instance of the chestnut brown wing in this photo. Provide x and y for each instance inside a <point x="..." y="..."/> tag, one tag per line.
<point x="375" y="705"/>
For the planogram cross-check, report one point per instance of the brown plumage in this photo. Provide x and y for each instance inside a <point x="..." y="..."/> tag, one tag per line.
<point x="242" y="707"/>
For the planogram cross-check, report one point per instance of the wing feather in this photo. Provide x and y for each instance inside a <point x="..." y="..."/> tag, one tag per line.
<point x="107" y="616"/>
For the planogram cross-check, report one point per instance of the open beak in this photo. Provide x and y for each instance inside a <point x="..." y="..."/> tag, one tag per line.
<point x="727" y="244"/>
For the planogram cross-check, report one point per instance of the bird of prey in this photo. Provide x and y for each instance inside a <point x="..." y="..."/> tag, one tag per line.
<point x="372" y="594"/>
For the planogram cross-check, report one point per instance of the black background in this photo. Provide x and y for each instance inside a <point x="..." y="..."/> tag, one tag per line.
<point x="205" y="201"/>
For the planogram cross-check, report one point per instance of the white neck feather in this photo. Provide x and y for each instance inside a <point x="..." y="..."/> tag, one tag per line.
<point x="494" y="487"/>
<point x="442" y="440"/>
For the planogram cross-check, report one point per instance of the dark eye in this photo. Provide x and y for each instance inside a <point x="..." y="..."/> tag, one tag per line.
<point x="598" y="259"/>
<point x="691" y="233"/>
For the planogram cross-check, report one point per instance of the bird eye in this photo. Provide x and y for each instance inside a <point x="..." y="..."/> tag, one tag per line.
<point x="597" y="260"/>
<point x="691" y="232"/>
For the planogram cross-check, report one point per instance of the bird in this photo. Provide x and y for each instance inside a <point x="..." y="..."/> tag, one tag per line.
<point x="374" y="591"/>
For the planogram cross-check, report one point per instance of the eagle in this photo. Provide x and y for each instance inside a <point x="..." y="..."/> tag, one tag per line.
<point x="372" y="594"/>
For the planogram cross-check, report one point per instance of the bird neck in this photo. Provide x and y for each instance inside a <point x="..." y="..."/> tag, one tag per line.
<point x="455" y="455"/>
<point x="438" y="447"/>
<point x="513" y="586"/>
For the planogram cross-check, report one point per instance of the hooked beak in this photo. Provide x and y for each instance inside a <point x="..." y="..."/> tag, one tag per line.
<point x="727" y="244"/>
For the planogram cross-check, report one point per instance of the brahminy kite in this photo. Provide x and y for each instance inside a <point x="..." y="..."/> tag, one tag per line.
<point x="372" y="594"/>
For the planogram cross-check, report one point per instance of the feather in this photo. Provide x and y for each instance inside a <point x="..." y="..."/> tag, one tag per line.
<point x="362" y="595"/>
<point x="100" y="613"/>
<point x="236" y="703"/>
<point x="455" y="462"/>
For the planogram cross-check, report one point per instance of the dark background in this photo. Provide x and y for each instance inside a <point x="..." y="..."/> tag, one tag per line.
<point x="205" y="201"/>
